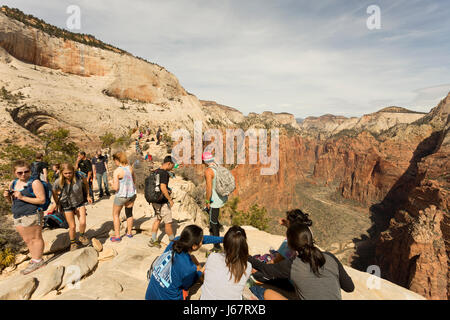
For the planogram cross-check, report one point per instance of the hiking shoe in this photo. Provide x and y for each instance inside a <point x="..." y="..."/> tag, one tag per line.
<point x="114" y="239"/>
<point x="156" y="243"/>
<point x="32" y="266"/>
<point x="74" y="246"/>
<point x="84" y="241"/>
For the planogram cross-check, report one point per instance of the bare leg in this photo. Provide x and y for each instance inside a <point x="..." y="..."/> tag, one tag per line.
<point x="270" y="294"/>
<point x="168" y="229"/>
<point x="116" y="219"/>
<point x="71" y="221"/>
<point x="81" y="214"/>
<point x="32" y="236"/>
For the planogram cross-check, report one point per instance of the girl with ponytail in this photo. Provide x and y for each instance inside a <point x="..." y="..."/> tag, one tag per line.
<point x="175" y="271"/>
<point x="226" y="273"/>
<point x="316" y="275"/>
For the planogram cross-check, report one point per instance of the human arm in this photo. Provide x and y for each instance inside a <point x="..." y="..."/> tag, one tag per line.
<point x="212" y="239"/>
<point x="89" y="175"/>
<point x="7" y="193"/>
<point x="345" y="281"/>
<point x="209" y="175"/>
<point x="166" y="194"/>
<point x="116" y="177"/>
<point x="86" y="186"/>
<point x="280" y="270"/>
<point x="192" y="275"/>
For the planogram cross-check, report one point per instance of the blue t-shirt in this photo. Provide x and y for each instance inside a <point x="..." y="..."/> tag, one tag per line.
<point x="169" y="279"/>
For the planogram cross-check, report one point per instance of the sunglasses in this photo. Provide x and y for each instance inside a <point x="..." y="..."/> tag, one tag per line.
<point x="22" y="172"/>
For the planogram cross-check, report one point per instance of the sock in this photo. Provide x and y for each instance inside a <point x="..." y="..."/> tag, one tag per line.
<point x="36" y="261"/>
<point x="154" y="236"/>
<point x="171" y="237"/>
<point x="81" y="234"/>
<point x="72" y="241"/>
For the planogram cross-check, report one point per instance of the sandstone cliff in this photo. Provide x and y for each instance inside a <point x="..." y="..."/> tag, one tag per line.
<point x="394" y="161"/>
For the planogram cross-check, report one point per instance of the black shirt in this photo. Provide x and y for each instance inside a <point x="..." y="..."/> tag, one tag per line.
<point x="100" y="164"/>
<point x="85" y="166"/>
<point x="163" y="178"/>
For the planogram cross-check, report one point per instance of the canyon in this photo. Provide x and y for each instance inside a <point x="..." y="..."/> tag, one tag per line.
<point x="379" y="182"/>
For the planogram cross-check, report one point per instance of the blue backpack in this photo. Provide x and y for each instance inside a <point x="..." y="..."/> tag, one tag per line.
<point x="47" y="190"/>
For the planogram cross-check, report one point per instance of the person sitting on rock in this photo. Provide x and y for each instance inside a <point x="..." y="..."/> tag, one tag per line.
<point x="283" y="286"/>
<point x="176" y="271"/>
<point x="316" y="275"/>
<point x="28" y="217"/>
<point x="227" y="273"/>
<point x="124" y="183"/>
<point x="70" y="192"/>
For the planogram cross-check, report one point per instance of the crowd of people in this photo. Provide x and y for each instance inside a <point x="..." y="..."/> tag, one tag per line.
<point x="297" y="270"/>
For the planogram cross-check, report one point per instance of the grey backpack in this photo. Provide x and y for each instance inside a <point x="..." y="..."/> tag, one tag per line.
<point x="225" y="183"/>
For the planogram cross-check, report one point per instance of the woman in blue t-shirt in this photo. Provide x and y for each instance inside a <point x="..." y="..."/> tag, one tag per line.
<point x="174" y="272"/>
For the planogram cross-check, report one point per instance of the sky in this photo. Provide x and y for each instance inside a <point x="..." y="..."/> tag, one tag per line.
<point x="307" y="58"/>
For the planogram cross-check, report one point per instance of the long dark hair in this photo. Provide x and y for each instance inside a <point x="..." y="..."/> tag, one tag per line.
<point x="298" y="215"/>
<point x="236" y="252"/>
<point x="300" y="239"/>
<point x="190" y="236"/>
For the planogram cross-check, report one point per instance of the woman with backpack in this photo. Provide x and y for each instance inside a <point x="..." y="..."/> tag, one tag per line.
<point x="124" y="185"/>
<point x="213" y="200"/>
<point x="70" y="192"/>
<point x="227" y="273"/>
<point x="175" y="271"/>
<point x="26" y="195"/>
<point x="316" y="275"/>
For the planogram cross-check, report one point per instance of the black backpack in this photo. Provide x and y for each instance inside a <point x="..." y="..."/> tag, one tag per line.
<point x="55" y="220"/>
<point x="152" y="190"/>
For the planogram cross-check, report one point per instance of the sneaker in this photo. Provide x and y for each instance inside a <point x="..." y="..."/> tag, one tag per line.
<point x="114" y="239"/>
<point x="156" y="243"/>
<point x="84" y="241"/>
<point x="32" y="266"/>
<point x="129" y="235"/>
<point x="108" y="194"/>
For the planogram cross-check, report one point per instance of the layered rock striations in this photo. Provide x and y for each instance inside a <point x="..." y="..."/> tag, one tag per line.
<point x="394" y="160"/>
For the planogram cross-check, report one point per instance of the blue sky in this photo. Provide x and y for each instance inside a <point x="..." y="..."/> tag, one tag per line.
<point x="304" y="57"/>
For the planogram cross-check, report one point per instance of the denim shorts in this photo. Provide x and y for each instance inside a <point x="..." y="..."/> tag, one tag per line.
<point x="121" y="201"/>
<point x="74" y="208"/>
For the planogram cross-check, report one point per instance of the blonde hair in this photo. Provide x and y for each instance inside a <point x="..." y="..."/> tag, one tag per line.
<point x="121" y="157"/>
<point x="66" y="166"/>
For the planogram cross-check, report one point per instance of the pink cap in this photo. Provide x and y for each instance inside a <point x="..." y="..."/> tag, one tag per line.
<point x="207" y="157"/>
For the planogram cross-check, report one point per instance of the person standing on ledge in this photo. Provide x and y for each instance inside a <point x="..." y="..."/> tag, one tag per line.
<point x="163" y="209"/>
<point x="213" y="201"/>
<point x="100" y="169"/>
